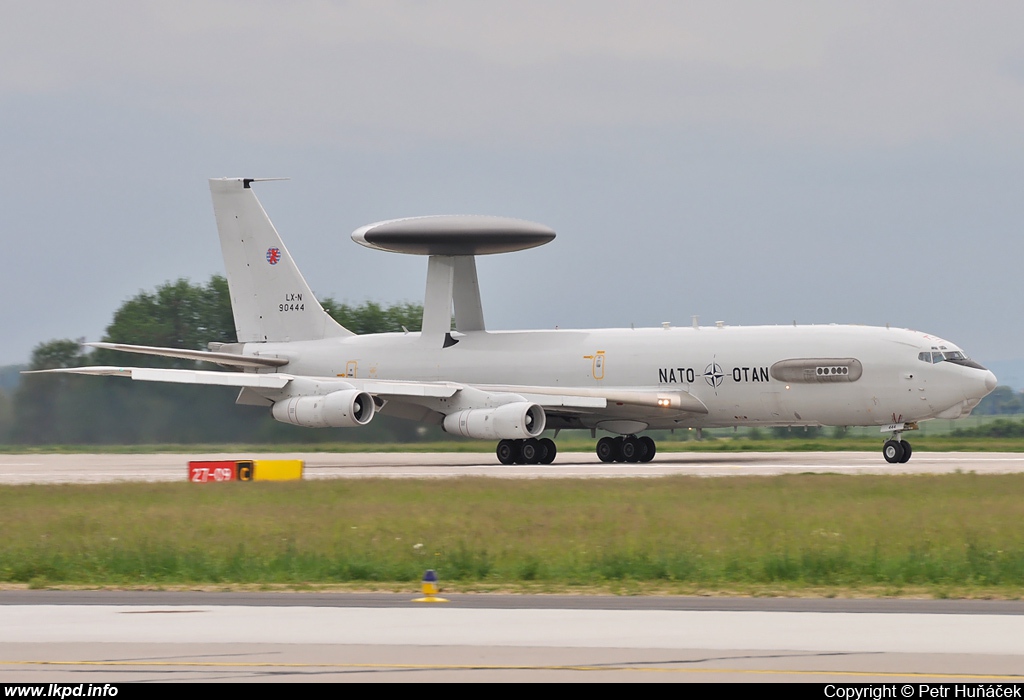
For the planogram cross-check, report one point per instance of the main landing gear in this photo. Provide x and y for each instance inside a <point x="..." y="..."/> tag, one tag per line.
<point x="897" y="450"/>
<point x="626" y="449"/>
<point x="531" y="451"/>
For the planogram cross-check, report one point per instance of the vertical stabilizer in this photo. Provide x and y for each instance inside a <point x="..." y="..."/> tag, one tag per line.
<point x="269" y="298"/>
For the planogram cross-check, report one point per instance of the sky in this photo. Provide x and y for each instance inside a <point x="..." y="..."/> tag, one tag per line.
<point x="746" y="162"/>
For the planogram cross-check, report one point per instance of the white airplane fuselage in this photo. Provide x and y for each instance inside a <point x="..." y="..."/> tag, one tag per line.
<point x="729" y="369"/>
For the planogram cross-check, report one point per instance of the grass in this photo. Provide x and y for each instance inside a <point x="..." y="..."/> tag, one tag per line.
<point x="944" y="536"/>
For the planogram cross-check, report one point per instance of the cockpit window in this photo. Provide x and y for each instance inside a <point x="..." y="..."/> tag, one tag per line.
<point x="954" y="356"/>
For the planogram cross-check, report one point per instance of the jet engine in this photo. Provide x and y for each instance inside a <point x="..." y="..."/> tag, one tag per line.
<point x="339" y="409"/>
<point x="511" y="421"/>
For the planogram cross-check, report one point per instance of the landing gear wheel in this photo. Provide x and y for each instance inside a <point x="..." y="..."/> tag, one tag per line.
<point x="647" y="449"/>
<point x="547" y="445"/>
<point x="907" y="451"/>
<point x="631" y="449"/>
<point x="531" y="451"/>
<point x="617" y="448"/>
<point x="606" y="451"/>
<point x="893" y="451"/>
<point x="508" y="451"/>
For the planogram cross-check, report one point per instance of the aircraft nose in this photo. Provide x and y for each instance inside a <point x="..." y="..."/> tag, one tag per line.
<point x="977" y="384"/>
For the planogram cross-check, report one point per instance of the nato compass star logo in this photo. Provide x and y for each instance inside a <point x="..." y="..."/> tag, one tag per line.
<point x="273" y="255"/>
<point x="713" y="375"/>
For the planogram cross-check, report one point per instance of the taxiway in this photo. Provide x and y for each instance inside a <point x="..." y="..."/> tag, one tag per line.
<point x="111" y="636"/>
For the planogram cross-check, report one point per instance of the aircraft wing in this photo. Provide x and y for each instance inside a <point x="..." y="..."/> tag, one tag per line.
<point x="545" y="396"/>
<point x="387" y="388"/>
<point x="595" y="397"/>
<point x="548" y="397"/>
<point x="557" y="399"/>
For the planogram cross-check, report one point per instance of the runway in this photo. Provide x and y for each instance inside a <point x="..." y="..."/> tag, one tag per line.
<point x="96" y="637"/>
<point x="105" y="468"/>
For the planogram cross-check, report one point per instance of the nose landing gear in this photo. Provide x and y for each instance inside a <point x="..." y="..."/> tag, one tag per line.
<point x="897" y="450"/>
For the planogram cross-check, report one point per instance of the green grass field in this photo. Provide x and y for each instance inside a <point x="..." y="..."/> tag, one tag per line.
<point x="943" y="536"/>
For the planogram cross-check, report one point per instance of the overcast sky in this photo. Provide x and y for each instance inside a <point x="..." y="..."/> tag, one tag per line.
<point x="748" y="162"/>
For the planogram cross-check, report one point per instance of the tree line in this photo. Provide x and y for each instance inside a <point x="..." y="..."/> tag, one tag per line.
<point x="74" y="409"/>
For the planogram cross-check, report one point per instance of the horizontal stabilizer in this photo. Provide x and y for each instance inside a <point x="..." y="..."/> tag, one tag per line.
<point x="379" y="387"/>
<point x="179" y="376"/>
<point x="220" y="358"/>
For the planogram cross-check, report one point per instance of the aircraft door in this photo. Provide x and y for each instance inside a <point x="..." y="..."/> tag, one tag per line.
<point x="597" y="361"/>
<point x="771" y="405"/>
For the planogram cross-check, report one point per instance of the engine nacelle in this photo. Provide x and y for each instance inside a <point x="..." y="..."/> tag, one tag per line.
<point x="339" y="409"/>
<point x="511" y="421"/>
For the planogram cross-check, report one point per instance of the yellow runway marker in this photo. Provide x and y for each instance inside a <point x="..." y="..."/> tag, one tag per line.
<point x="430" y="589"/>
<point x="277" y="469"/>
